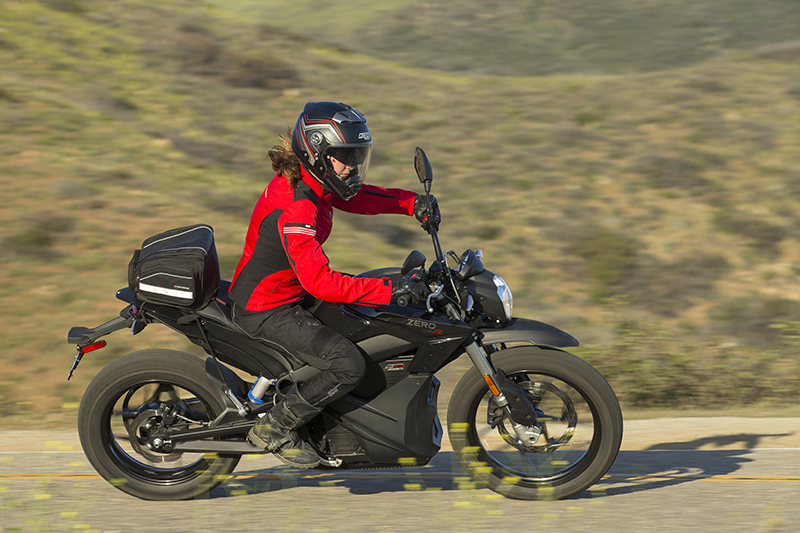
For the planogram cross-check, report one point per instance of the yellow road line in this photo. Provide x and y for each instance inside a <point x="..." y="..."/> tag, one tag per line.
<point x="711" y="477"/>
<point x="349" y="474"/>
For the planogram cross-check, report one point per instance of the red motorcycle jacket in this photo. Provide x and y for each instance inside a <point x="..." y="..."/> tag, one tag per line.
<point x="283" y="258"/>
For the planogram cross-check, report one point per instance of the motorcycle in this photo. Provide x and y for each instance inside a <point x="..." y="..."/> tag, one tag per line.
<point x="527" y="420"/>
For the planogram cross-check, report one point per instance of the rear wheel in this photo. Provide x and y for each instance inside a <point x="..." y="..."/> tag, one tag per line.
<point x="134" y="397"/>
<point x="577" y="412"/>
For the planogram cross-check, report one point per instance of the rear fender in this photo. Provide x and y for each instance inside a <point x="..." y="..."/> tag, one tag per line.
<point x="83" y="336"/>
<point x="523" y="330"/>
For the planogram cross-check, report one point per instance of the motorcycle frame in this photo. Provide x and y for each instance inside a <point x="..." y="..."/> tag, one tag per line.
<point x="391" y="424"/>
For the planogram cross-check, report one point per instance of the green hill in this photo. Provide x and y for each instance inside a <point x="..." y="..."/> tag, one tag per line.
<point x="524" y="38"/>
<point x="650" y="210"/>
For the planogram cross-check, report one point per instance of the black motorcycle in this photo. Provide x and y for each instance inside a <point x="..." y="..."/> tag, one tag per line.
<point x="527" y="420"/>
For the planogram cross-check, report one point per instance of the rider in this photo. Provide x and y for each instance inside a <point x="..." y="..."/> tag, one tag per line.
<point x="321" y="167"/>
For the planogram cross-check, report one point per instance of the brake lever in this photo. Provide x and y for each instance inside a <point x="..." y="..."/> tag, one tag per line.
<point x="433" y="295"/>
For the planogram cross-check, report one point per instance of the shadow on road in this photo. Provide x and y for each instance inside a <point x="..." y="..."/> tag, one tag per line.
<point x="743" y="440"/>
<point x="673" y="463"/>
<point x="444" y="472"/>
<point x="662" y="465"/>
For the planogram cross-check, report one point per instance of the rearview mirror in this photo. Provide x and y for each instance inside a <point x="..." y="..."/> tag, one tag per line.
<point x="415" y="259"/>
<point x="422" y="166"/>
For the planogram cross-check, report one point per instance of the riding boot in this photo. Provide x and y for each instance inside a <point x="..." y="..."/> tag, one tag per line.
<point x="276" y="433"/>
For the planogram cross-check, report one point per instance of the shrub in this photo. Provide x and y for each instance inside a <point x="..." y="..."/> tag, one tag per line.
<point x="258" y="71"/>
<point x="203" y="54"/>
<point x="762" y="236"/>
<point x="8" y="95"/>
<point x="748" y="320"/>
<point x="650" y="365"/>
<point x="583" y="118"/>
<point x="610" y="257"/>
<point x="229" y="203"/>
<point x="666" y="288"/>
<point x="40" y="236"/>
<point x="204" y="152"/>
<point x="488" y="233"/>
<point x="572" y="136"/>
<point x="662" y="171"/>
<point x="787" y="51"/>
<point x="706" y="84"/>
<point x="77" y="7"/>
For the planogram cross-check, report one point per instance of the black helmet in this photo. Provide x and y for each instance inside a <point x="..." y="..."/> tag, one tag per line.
<point x="330" y="129"/>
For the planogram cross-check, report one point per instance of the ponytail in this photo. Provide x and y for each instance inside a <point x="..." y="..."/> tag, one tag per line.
<point x="284" y="162"/>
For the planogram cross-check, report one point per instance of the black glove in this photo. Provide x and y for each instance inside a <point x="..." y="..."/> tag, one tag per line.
<point x="410" y="289"/>
<point x="429" y="219"/>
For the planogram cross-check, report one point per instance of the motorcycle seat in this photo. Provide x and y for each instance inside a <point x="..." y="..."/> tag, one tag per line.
<point x="221" y="310"/>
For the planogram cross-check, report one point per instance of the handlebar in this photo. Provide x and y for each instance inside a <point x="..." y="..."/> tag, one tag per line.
<point x="406" y="299"/>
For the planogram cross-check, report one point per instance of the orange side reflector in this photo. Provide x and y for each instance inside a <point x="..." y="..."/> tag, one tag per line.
<point x="492" y="387"/>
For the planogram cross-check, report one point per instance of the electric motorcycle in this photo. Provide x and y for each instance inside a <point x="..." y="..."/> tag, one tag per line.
<point x="527" y="420"/>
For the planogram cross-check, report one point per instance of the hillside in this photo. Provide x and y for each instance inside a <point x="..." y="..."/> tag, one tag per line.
<point x="653" y="213"/>
<point x="524" y="38"/>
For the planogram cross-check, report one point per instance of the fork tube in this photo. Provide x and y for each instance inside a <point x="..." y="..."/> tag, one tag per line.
<point x="478" y="357"/>
<point x="529" y="435"/>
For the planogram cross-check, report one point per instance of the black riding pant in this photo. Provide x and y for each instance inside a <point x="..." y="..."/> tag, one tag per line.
<point x="302" y="335"/>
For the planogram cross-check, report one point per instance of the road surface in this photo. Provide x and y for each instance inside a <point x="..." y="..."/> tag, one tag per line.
<point x="694" y="474"/>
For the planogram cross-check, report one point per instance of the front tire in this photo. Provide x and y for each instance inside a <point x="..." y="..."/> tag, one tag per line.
<point x="126" y="400"/>
<point x="577" y="411"/>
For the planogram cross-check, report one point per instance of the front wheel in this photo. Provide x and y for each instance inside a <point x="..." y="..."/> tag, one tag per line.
<point x="133" y="398"/>
<point x="577" y="413"/>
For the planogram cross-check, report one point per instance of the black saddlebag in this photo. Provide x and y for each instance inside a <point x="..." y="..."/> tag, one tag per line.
<point x="178" y="268"/>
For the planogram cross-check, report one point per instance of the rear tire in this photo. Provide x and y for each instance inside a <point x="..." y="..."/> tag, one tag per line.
<point x="579" y="416"/>
<point x="121" y="405"/>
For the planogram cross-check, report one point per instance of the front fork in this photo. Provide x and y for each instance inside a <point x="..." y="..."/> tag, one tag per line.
<point x="508" y="395"/>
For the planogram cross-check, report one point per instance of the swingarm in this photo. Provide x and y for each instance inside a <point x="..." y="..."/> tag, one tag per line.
<point x="197" y="440"/>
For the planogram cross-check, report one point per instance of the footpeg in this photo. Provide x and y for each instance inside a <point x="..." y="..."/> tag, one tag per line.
<point x="333" y="463"/>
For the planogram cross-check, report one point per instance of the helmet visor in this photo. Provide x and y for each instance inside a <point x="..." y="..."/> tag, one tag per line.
<point x="352" y="157"/>
<point x="356" y="158"/>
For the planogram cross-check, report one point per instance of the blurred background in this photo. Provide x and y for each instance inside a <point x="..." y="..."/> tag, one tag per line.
<point x="632" y="169"/>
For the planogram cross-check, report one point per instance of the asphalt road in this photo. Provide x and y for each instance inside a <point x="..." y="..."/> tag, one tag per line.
<point x="701" y="474"/>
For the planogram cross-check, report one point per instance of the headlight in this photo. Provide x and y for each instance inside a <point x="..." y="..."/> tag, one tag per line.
<point x="505" y="296"/>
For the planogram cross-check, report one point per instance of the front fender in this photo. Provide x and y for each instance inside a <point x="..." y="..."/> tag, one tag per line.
<point x="526" y="330"/>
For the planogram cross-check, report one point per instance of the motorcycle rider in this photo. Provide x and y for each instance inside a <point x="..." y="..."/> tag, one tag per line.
<point x="322" y="166"/>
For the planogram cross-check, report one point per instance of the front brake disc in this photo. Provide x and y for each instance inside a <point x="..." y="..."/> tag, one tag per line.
<point x="496" y="416"/>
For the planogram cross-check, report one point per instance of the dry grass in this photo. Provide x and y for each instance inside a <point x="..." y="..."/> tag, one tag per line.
<point x="672" y="191"/>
